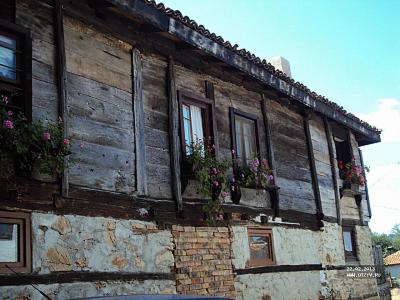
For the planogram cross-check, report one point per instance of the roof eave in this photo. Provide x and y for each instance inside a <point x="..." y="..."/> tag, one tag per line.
<point x="179" y="30"/>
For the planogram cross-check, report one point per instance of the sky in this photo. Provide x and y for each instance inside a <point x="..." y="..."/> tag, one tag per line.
<point x="346" y="50"/>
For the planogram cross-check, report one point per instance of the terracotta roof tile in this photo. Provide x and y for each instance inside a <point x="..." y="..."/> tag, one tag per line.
<point x="392" y="259"/>
<point x="176" y="14"/>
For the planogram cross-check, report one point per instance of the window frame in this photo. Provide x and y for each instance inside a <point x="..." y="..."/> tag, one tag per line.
<point x="188" y="98"/>
<point x="264" y="232"/>
<point x="24" y="65"/>
<point x="232" y="118"/>
<point x="352" y="256"/>
<point x="23" y="265"/>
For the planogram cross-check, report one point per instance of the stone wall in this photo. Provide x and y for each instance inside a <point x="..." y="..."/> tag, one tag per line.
<point x="203" y="261"/>
<point x="76" y="243"/>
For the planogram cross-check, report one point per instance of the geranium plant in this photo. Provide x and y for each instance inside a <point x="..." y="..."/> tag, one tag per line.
<point x="211" y="174"/>
<point x="256" y="173"/>
<point x="31" y="144"/>
<point x="351" y="173"/>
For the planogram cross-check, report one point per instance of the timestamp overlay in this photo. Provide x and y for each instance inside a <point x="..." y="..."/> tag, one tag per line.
<point x="363" y="271"/>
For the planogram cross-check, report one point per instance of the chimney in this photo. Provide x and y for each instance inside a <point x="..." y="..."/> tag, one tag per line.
<point x="281" y="64"/>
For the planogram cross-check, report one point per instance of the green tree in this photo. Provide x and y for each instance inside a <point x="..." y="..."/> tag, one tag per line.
<point x="383" y="240"/>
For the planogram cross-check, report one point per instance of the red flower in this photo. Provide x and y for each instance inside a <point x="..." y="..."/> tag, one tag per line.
<point x="340" y="164"/>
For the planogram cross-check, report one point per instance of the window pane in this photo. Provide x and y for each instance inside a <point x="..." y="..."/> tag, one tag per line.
<point x="347" y="240"/>
<point x="260" y="248"/>
<point x="8" y="63"/>
<point x="197" y="123"/>
<point x="245" y="138"/>
<point x="10" y="42"/>
<point x="8" y="242"/>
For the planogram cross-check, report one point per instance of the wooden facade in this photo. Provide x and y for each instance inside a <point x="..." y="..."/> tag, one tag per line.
<point x="113" y="70"/>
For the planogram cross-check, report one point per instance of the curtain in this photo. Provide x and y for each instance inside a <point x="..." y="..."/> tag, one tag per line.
<point x="197" y="123"/>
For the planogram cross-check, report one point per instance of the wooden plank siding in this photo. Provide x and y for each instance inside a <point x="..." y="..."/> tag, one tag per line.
<point x="127" y="148"/>
<point x="100" y="104"/>
<point x="38" y="17"/>
<point x="323" y="166"/>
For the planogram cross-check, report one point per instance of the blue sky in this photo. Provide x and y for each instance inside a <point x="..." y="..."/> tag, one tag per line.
<point x="348" y="51"/>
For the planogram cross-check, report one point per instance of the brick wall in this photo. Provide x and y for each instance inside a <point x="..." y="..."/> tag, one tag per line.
<point x="203" y="261"/>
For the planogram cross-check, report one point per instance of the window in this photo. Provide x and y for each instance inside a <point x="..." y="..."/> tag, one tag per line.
<point x="261" y="247"/>
<point x="349" y="243"/>
<point x="244" y="134"/>
<point x="196" y="120"/>
<point x="15" y="242"/>
<point x="15" y="67"/>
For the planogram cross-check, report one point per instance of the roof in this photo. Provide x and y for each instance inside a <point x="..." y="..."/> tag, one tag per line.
<point x="392" y="259"/>
<point x="270" y="75"/>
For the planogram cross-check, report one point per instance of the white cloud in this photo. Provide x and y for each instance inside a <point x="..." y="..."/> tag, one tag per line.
<point x="384" y="159"/>
<point x="387" y="118"/>
<point x="384" y="192"/>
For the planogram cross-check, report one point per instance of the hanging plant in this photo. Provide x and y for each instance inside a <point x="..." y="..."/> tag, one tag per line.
<point x="31" y="145"/>
<point x="212" y="176"/>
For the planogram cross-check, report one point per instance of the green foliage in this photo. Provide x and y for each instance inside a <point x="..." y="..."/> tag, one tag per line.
<point x="212" y="175"/>
<point x="255" y="174"/>
<point x="28" y="143"/>
<point x="390" y="243"/>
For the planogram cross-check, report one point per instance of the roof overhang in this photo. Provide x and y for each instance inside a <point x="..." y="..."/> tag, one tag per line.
<point x="164" y="23"/>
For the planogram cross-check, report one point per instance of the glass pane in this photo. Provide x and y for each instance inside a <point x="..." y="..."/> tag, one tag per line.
<point x="239" y="139"/>
<point x="8" y="242"/>
<point x="260" y="248"/>
<point x="245" y="137"/>
<point x="348" y="245"/>
<point x="10" y="42"/>
<point x="8" y="63"/>
<point x="186" y="111"/>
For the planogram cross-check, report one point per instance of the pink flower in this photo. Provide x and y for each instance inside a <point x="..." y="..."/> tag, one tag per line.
<point x="215" y="171"/>
<point x="233" y="188"/>
<point x="10" y="113"/>
<point x="5" y="99"/>
<point x="225" y="194"/>
<point x="81" y="145"/>
<point x="47" y="136"/>
<point x="216" y="183"/>
<point x="8" y="124"/>
<point x="213" y="146"/>
<point x="233" y="151"/>
<point x="66" y="141"/>
<point x="271" y="178"/>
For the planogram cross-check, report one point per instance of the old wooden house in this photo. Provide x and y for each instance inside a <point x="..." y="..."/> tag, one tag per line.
<point x="134" y="83"/>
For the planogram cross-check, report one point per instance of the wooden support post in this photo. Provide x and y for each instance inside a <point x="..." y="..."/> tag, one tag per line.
<point x="210" y="95"/>
<point x="313" y="169"/>
<point x="61" y="79"/>
<point x="173" y="120"/>
<point x="328" y="133"/>
<point x="270" y="149"/>
<point x="138" y="113"/>
<point x="366" y="185"/>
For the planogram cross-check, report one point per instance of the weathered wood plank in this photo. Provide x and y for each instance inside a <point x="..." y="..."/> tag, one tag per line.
<point x="313" y="170"/>
<point x="138" y="111"/>
<point x="270" y="149"/>
<point x="101" y="133"/>
<point x="332" y="158"/>
<point x="173" y="115"/>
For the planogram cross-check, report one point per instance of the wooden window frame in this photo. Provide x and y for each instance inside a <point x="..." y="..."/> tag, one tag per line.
<point x="188" y="98"/>
<point x="353" y="256"/>
<point x="24" y="63"/>
<point x="264" y="233"/>
<point x="23" y="265"/>
<point x="233" y="112"/>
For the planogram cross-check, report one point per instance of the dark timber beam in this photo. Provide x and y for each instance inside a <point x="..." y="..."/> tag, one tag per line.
<point x="138" y="113"/>
<point x="173" y="119"/>
<point x="61" y="79"/>
<point x="329" y="137"/>
<point x="313" y="169"/>
<point x="270" y="149"/>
